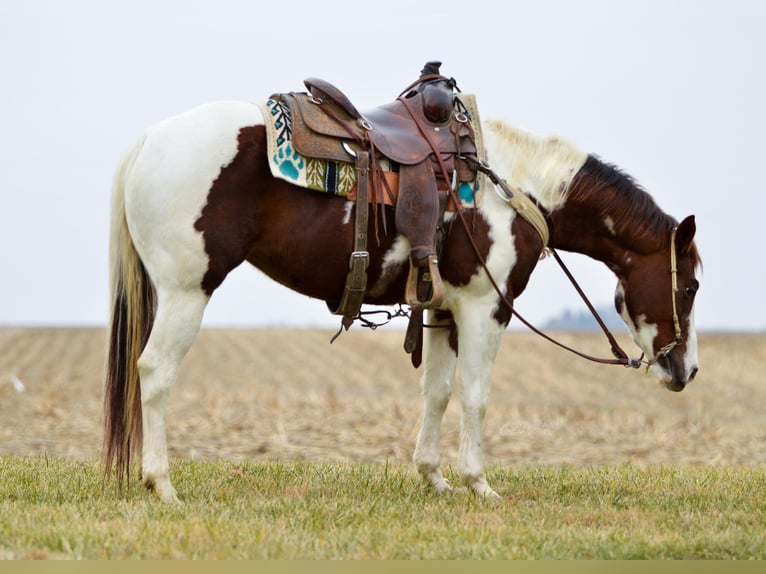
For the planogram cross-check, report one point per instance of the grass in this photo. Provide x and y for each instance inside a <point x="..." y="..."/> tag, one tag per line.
<point x="60" y="508"/>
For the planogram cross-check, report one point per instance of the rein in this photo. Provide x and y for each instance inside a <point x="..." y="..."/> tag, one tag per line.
<point x="531" y="213"/>
<point x="621" y="357"/>
<point x="538" y="223"/>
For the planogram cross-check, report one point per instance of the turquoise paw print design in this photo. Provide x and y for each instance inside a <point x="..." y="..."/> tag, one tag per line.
<point x="289" y="161"/>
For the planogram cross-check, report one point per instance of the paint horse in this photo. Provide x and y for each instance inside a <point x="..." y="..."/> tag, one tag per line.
<point x="195" y="198"/>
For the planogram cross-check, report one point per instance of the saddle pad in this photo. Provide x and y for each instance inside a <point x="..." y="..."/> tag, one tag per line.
<point x="336" y="178"/>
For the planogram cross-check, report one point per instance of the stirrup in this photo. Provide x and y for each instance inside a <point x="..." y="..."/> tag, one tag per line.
<point x="425" y="289"/>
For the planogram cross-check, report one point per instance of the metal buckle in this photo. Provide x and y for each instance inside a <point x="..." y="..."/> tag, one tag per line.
<point x="363" y="256"/>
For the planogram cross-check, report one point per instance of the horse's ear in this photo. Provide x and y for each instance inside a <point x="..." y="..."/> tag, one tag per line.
<point x="685" y="234"/>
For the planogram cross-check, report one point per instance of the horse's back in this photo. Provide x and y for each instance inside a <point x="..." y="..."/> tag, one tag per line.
<point x="202" y="139"/>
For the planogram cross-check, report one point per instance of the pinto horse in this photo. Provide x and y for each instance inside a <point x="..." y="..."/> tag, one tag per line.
<point x="195" y="198"/>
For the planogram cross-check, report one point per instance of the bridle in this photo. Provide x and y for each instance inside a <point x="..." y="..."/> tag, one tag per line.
<point x="677" y="339"/>
<point x="619" y="353"/>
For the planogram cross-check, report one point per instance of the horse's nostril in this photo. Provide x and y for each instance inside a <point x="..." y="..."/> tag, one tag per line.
<point x="693" y="373"/>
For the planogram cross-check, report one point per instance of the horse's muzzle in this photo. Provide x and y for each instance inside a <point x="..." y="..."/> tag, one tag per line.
<point x="676" y="378"/>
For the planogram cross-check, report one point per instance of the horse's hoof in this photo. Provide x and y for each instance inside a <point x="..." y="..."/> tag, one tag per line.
<point x="482" y="490"/>
<point x="442" y="487"/>
<point x="164" y="491"/>
<point x="436" y="481"/>
<point x="168" y="495"/>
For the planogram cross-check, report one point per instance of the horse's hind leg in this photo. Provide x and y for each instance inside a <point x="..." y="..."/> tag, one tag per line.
<point x="439" y="371"/>
<point x="178" y="318"/>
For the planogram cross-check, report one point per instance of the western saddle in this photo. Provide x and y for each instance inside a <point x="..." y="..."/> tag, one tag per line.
<point x="422" y="137"/>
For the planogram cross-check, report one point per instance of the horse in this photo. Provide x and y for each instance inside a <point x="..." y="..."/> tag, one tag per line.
<point x="194" y="198"/>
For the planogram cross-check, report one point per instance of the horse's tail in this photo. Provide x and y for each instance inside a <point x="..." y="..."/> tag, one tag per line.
<point x="133" y="304"/>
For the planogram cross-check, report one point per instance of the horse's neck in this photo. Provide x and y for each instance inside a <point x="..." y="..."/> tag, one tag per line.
<point x="607" y="224"/>
<point x="595" y="209"/>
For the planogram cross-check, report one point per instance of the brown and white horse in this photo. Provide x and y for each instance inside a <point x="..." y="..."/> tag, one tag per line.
<point x="195" y="198"/>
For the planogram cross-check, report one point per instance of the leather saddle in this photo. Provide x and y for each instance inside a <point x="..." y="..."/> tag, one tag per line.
<point x="423" y="137"/>
<point x="317" y="134"/>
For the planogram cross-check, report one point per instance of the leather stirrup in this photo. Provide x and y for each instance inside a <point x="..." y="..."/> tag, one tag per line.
<point x="425" y="289"/>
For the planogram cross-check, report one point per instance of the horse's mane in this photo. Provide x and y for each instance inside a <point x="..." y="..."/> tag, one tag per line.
<point x="563" y="173"/>
<point x="625" y="200"/>
<point x="517" y="150"/>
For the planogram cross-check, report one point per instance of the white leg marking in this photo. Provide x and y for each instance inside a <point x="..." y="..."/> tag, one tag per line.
<point x="175" y="327"/>
<point x="479" y="337"/>
<point x="347" y="212"/>
<point x="439" y="372"/>
<point x="691" y="360"/>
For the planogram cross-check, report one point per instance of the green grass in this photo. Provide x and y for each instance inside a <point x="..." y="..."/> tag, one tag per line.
<point x="60" y="508"/>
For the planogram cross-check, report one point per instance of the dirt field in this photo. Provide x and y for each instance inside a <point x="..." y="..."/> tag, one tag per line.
<point x="289" y="394"/>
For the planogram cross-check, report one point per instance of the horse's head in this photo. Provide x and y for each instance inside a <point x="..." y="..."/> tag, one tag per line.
<point x="655" y="298"/>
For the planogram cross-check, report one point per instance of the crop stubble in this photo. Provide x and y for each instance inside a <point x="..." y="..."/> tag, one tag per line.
<point x="286" y="394"/>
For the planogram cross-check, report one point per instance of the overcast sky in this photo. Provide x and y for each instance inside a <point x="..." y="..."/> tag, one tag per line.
<point x="673" y="92"/>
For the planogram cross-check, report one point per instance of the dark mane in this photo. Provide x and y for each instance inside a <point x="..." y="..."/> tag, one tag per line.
<point x="624" y="200"/>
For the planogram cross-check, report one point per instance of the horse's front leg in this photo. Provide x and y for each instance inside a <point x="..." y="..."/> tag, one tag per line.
<point x="436" y="383"/>
<point x="479" y="336"/>
<point x="175" y="327"/>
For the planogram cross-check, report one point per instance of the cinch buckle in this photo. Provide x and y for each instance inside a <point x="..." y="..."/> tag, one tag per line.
<point x="363" y="256"/>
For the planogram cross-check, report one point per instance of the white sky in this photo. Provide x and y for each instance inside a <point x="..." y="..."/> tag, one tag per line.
<point x="671" y="91"/>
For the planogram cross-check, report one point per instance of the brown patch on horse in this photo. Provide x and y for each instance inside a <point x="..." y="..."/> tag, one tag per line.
<point x="228" y="219"/>
<point x="295" y="236"/>
<point x="459" y="261"/>
<point x="443" y="319"/>
<point x="298" y="238"/>
<point x="528" y="246"/>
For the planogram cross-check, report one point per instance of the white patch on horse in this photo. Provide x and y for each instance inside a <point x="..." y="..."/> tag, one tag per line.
<point x="609" y="224"/>
<point x="393" y="260"/>
<point x="502" y="254"/>
<point x="643" y="333"/>
<point x="347" y="212"/>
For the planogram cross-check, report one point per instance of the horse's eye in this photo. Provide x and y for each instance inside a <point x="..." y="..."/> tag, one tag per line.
<point x="691" y="291"/>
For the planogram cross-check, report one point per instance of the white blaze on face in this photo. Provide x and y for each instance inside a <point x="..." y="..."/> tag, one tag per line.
<point x="691" y="361"/>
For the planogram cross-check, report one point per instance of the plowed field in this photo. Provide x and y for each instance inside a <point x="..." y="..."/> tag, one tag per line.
<point x="289" y="394"/>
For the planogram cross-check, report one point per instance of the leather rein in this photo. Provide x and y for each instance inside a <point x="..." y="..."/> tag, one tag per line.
<point x="620" y="356"/>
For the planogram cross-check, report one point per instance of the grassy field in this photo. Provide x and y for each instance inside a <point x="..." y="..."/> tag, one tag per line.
<point x="283" y="446"/>
<point x="57" y="508"/>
